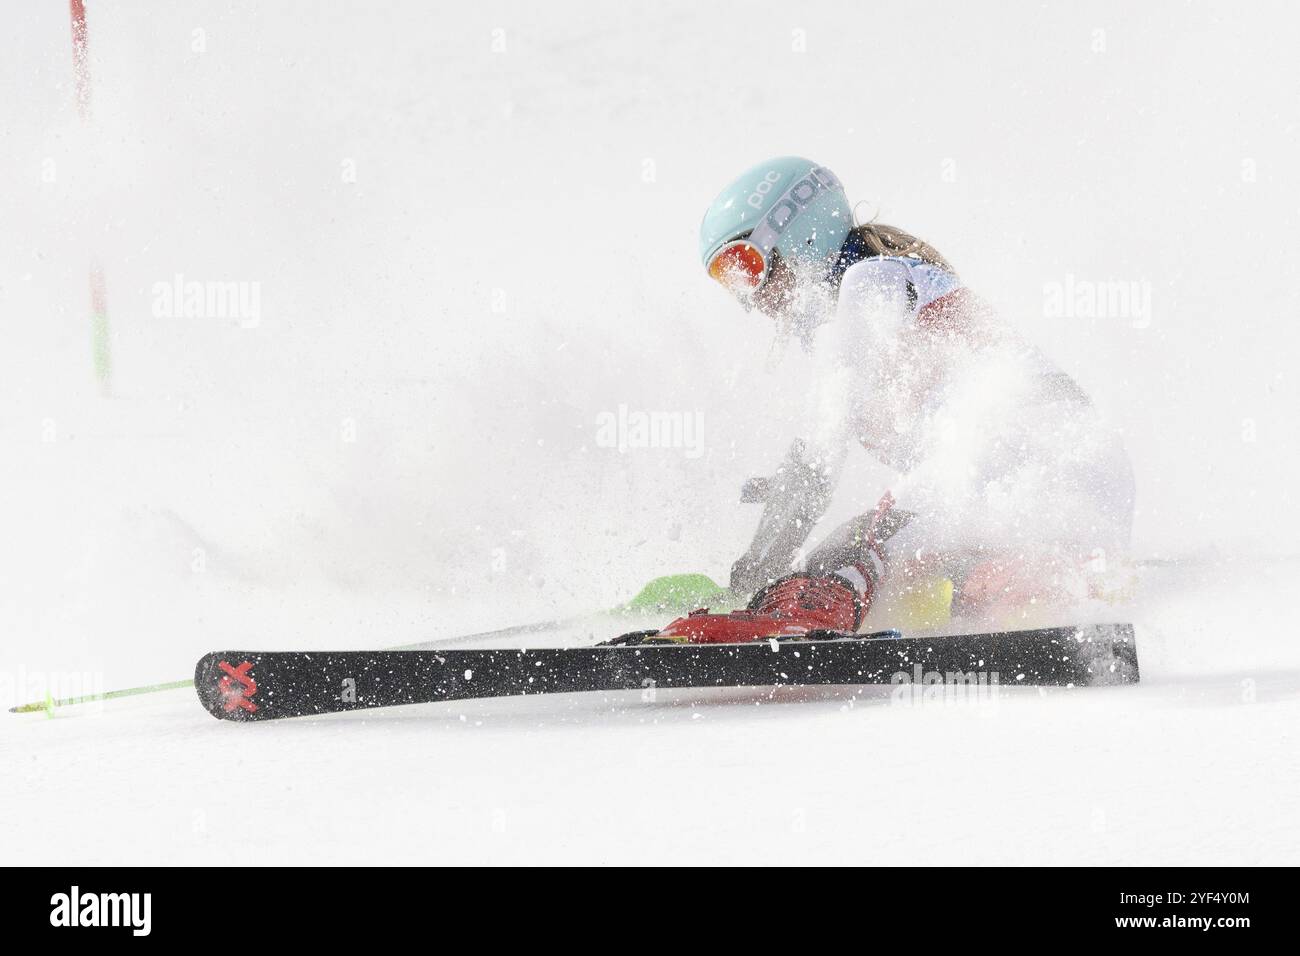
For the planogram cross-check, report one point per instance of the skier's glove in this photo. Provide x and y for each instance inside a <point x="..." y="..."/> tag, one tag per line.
<point x="794" y="499"/>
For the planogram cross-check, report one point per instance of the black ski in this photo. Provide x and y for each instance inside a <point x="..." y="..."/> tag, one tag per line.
<point x="255" y="685"/>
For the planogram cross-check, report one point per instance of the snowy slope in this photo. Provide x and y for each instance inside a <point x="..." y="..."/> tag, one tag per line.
<point x="1199" y="763"/>
<point x="472" y="232"/>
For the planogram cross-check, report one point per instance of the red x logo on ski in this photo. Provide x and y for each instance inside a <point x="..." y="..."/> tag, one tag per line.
<point x="237" y="686"/>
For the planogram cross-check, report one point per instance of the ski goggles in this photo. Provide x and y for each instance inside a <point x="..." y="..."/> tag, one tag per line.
<point x="740" y="266"/>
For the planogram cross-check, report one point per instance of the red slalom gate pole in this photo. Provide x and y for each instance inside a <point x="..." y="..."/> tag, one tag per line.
<point x="101" y="354"/>
<point x="80" y="65"/>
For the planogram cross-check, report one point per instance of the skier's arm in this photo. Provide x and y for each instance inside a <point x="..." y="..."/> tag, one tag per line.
<point x="857" y="350"/>
<point x="876" y="315"/>
<point x="877" y="296"/>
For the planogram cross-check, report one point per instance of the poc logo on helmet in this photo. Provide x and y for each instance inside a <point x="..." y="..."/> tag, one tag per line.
<point x="756" y="197"/>
<point x="798" y="196"/>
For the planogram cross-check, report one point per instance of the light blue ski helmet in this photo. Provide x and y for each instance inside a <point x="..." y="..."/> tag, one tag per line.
<point x="789" y="203"/>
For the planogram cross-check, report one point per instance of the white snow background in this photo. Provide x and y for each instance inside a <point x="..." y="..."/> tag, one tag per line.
<point x="472" y="229"/>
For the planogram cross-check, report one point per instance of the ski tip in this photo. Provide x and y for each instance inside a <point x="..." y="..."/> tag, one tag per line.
<point x="1109" y="652"/>
<point x="227" y="686"/>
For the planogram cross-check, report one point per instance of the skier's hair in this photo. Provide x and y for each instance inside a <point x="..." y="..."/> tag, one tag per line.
<point x="885" y="240"/>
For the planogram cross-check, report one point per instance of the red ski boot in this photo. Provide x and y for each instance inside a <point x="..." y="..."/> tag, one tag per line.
<point x="792" y="606"/>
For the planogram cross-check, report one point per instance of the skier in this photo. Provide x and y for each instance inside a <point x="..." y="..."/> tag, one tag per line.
<point x="1012" y="492"/>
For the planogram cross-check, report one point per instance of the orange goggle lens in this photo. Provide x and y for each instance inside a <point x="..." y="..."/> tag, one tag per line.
<point x="740" y="267"/>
